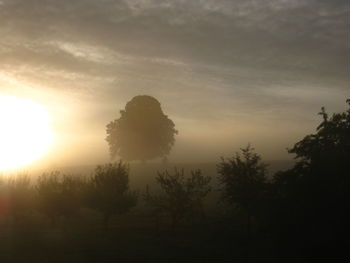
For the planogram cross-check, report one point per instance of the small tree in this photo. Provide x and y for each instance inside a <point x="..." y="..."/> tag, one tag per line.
<point x="142" y="132"/>
<point x="109" y="190"/>
<point x="243" y="180"/>
<point x="180" y="197"/>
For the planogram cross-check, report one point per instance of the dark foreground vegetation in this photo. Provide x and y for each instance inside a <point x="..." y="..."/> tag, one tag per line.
<point x="300" y="214"/>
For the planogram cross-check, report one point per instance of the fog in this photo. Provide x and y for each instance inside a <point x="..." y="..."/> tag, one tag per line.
<point x="228" y="122"/>
<point x="228" y="73"/>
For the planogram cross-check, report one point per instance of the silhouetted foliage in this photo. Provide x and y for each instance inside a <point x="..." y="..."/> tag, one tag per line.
<point x="180" y="197"/>
<point x="59" y="195"/>
<point x="48" y="188"/>
<point x="243" y="180"/>
<point x="109" y="190"/>
<point x="312" y="199"/>
<point x="20" y="195"/>
<point x="142" y="132"/>
<point x="3" y="198"/>
<point x="302" y="209"/>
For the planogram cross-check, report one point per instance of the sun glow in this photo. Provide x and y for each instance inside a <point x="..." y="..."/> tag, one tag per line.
<point x="25" y="133"/>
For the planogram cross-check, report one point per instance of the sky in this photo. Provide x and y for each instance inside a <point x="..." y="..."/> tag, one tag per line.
<point x="227" y="72"/>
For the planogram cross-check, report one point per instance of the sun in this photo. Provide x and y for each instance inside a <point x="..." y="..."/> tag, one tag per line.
<point x="25" y="133"/>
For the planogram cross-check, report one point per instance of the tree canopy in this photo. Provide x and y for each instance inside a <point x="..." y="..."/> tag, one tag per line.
<point x="243" y="181"/>
<point x="242" y="178"/>
<point x="180" y="196"/>
<point x="109" y="190"/>
<point x="142" y="132"/>
<point x="312" y="199"/>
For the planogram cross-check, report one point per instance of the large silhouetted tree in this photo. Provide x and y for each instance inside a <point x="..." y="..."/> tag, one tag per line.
<point x="312" y="199"/>
<point x="142" y="132"/>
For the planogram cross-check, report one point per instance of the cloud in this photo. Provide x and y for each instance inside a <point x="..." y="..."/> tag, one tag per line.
<point x="215" y="60"/>
<point x="219" y="32"/>
<point x="249" y="44"/>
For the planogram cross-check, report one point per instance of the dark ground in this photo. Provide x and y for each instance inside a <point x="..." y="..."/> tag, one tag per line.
<point x="134" y="237"/>
<point x="129" y="238"/>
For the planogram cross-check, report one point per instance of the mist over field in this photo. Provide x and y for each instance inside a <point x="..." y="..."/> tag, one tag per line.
<point x="174" y="130"/>
<point x="226" y="72"/>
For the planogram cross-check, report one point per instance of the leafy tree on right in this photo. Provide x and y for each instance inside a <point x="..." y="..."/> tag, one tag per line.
<point x="311" y="201"/>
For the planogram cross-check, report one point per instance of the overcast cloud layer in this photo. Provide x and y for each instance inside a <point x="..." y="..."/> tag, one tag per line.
<point x="227" y="72"/>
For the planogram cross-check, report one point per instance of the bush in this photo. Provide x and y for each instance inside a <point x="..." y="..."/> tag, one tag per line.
<point x="59" y="195"/>
<point x="108" y="190"/>
<point x="243" y="180"/>
<point x="180" y="197"/>
<point x="20" y="196"/>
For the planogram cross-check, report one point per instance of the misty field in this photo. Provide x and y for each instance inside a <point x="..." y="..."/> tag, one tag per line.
<point x="174" y="131"/>
<point x="239" y="208"/>
<point x="134" y="236"/>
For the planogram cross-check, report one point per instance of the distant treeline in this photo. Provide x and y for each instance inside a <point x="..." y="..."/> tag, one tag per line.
<point x="300" y="209"/>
